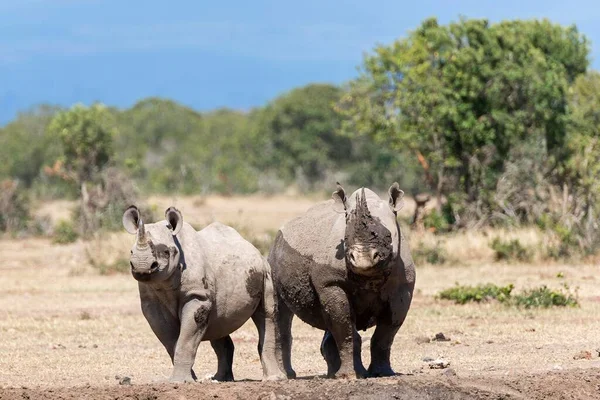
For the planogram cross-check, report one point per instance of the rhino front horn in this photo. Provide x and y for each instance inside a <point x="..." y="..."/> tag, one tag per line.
<point x="141" y="233"/>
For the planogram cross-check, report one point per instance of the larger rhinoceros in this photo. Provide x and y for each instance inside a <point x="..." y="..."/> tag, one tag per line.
<point x="344" y="266"/>
<point x="197" y="286"/>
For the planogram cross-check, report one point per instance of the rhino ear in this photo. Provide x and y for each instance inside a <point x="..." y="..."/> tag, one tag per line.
<point x="396" y="197"/>
<point x="175" y="219"/>
<point x="131" y="217"/>
<point x="339" y="198"/>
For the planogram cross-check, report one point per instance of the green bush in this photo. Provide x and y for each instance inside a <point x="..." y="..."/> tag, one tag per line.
<point x="510" y="250"/>
<point x="541" y="297"/>
<point x="65" y="233"/>
<point x="545" y="298"/>
<point x="14" y="207"/>
<point x="436" y="220"/>
<point x="430" y="254"/>
<point x="464" y="294"/>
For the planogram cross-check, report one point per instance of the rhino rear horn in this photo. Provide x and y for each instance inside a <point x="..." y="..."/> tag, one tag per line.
<point x="339" y="198"/>
<point x="362" y="209"/>
<point x="396" y="197"/>
<point x="131" y="218"/>
<point x="175" y="219"/>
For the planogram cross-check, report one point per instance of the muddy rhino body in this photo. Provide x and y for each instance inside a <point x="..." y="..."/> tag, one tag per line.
<point x="344" y="266"/>
<point x="201" y="285"/>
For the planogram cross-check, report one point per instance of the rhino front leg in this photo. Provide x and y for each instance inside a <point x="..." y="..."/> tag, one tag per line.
<point x="194" y="321"/>
<point x="381" y="345"/>
<point x="385" y="332"/>
<point x="338" y="320"/>
<point x="224" y="349"/>
<point x="330" y="352"/>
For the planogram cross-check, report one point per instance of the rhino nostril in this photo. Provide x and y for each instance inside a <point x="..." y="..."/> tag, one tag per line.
<point x="154" y="266"/>
<point x="130" y="263"/>
<point x="352" y="256"/>
<point x="376" y="255"/>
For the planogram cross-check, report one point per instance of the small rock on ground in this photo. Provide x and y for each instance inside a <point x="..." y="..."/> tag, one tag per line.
<point x="440" y="337"/>
<point x="583" y="355"/>
<point x="449" y="372"/>
<point x="439" y="364"/>
<point x="125" y="381"/>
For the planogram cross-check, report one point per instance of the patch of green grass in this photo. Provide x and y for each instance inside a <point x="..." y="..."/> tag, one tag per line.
<point x="65" y="233"/>
<point x="430" y="254"/>
<point x="511" y="250"/>
<point x="544" y="297"/>
<point x="541" y="297"/>
<point x="463" y="294"/>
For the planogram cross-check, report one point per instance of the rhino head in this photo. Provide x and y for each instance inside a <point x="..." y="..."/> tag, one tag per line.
<point x="372" y="236"/>
<point x="155" y="254"/>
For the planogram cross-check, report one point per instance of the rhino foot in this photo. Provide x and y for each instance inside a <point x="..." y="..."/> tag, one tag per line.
<point x="228" y="377"/>
<point x="351" y="374"/>
<point x="275" y="377"/>
<point x="182" y="378"/>
<point x="381" y="371"/>
<point x="291" y="374"/>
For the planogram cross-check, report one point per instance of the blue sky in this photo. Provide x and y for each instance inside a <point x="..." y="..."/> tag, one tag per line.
<point x="208" y="54"/>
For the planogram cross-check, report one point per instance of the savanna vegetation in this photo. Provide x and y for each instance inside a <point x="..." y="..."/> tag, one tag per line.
<point x="496" y="123"/>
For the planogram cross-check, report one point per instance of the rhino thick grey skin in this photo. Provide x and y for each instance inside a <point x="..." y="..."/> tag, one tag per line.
<point x="344" y="266"/>
<point x="197" y="286"/>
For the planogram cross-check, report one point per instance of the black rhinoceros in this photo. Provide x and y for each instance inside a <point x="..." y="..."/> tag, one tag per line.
<point x="344" y="266"/>
<point x="197" y="286"/>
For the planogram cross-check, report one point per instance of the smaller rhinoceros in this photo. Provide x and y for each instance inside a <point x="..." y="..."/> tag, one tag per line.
<point x="197" y="286"/>
<point x="344" y="266"/>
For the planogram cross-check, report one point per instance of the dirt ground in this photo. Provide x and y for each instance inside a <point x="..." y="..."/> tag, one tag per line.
<point x="67" y="332"/>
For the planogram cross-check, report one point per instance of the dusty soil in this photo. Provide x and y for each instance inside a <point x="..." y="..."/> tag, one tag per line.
<point x="67" y="332"/>
<point x="557" y="385"/>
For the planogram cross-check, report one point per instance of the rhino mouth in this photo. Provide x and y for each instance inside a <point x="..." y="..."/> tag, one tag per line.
<point x="145" y="275"/>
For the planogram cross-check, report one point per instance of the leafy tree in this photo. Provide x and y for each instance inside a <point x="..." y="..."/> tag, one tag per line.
<point x="86" y="135"/>
<point x="462" y="96"/>
<point x="300" y="133"/>
<point x="149" y="131"/>
<point x="25" y="145"/>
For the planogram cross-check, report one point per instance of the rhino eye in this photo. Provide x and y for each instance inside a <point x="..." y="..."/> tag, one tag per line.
<point x="166" y="253"/>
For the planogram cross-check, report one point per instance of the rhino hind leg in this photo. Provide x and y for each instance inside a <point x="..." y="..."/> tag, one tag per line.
<point x="263" y="318"/>
<point x="330" y="353"/>
<point x="224" y="349"/>
<point x="284" y="317"/>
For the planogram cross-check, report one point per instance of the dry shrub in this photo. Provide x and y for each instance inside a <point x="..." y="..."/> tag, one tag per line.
<point x="14" y="207"/>
<point x="102" y="204"/>
<point x="109" y="253"/>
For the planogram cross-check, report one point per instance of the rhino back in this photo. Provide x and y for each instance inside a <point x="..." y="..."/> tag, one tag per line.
<point x="308" y="246"/>
<point x="318" y="234"/>
<point x="238" y="269"/>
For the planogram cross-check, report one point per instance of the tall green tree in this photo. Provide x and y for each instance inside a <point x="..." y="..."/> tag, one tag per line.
<point x="25" y="146"/>
<point x="461" y="96"/>
<point x="300" y="133"/>
<point x="86" y="135"/>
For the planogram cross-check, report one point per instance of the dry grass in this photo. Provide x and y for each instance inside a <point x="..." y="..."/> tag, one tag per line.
<point x="63" y="324"/>
<point x="473" y="247"/>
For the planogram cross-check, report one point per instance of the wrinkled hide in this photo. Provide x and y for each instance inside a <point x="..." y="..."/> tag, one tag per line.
<point x="344" y="266"/>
